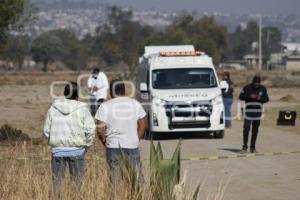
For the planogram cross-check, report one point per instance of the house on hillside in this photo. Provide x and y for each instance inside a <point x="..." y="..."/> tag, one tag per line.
<point x="290" y="48"/>
<point x="288" y="59"/>
<point x="277" y="61"/>
<point x="251" y="60"/>
<point x="284" y="61"/>
<point x="6" y="65"/>
<point x="293" y="62"/>
<point x="233" y="64"/>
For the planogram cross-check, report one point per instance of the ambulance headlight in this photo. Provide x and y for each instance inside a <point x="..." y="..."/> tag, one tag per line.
<point x="217" y="100"/>
<point x="159" y="102"/>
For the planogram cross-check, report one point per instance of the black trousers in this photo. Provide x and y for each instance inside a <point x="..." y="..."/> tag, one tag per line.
<point x="99" y="102"/>
<point x="255" y="128"/>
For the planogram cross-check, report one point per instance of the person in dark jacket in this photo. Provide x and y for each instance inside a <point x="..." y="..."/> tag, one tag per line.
<point x="227" y="98"/>
<point x="254" y="95"/>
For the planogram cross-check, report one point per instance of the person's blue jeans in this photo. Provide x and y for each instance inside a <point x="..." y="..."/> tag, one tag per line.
<point x="227" y="105"/>
<point x="114" y="161"/>
<point x="76" y="169"/>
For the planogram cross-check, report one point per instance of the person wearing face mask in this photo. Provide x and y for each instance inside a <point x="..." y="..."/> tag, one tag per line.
<point x="254" y="95"/>
<point x="92" y="83"/>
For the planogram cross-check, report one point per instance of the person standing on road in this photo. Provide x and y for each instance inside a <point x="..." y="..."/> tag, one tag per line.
<point x="92" y="81"/>
<point x="101" y="88"/>
<point x="120" y="126"/>
<point x="254" y="95"/>
<point x="70" y="130"/>
<point x="227" y="98"/>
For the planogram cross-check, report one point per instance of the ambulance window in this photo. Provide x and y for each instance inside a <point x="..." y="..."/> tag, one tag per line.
<point x="184" y="78"/>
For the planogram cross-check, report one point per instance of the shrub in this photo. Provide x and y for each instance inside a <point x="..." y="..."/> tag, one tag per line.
<point x="10" y="134"/>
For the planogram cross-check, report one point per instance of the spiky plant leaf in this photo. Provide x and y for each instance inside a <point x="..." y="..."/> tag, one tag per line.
<point x="159" y="152"/>
<point x="165" y="174"/>
<point x="196" y="192"/>
<point x="130" y="176"/>
<point x="153" y="157"/>
<point x="176" y="158"/>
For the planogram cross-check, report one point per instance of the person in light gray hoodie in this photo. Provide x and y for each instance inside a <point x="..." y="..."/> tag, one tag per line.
<point x="70" y="130"/>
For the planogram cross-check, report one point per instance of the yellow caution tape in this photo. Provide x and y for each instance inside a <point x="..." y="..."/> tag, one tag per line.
<point x="98" y="158"/>
<point x="249" y="155"/>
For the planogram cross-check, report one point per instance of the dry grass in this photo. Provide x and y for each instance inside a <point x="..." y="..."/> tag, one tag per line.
<point x="35" y="78"/>
<point x="31" y="179"/>
<point x="274" y="79"/>
<point x="288" y="98"/>
<point x="39" y="78"/>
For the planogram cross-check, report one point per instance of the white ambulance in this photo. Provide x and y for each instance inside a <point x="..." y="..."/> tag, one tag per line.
<point x="179" y="88"/>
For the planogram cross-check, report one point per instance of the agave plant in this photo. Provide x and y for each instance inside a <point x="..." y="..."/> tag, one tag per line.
<point x="165" y="174"/>
<point x="131" y="177"/>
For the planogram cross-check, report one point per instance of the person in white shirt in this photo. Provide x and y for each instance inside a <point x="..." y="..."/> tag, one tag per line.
<point x="101" y="88"/>
<point x="92" y="81"/>
<point x="120" y="126"/>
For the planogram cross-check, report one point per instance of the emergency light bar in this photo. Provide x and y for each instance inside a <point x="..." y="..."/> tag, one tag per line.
<point x="181" y="53"/>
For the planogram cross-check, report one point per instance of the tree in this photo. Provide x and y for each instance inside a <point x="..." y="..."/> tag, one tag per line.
<point x="16" y="49"/>
<point x="238" y="45"/>
<point x="252" y="32"/>
<point x="76" y="57"/>
<point x="271" y="41"/>
<point x="73" y="52"/>
<point x="15" y="14"/>
<point x="204" y="33"/>
<point x="240" y="42"/>
<point x="120" y="39"/>
<point x="66" y="36"/>
<point x="47" y="48"/>
<point x="60" y="45"/>
<point x="210" y="37"/>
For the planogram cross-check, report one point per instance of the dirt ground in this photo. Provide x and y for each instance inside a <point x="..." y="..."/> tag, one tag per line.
<point x="254" y="178"/>
<point x="24" y="106"/>
<point x="24" y="103"/>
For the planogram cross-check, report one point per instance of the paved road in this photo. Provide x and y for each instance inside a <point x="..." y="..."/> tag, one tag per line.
<point x="257" y="178"/>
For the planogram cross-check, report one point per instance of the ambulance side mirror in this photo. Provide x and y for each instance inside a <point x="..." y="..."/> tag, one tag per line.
<point x="143" y="88"/>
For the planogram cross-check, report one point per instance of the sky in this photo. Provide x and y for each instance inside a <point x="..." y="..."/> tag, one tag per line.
<point x="224" y="6"/>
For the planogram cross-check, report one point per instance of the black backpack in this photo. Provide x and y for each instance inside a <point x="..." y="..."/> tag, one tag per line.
<point x="287" y="118"/>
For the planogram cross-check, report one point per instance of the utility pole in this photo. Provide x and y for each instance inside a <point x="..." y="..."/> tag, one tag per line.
<point x="260" y="44"/>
